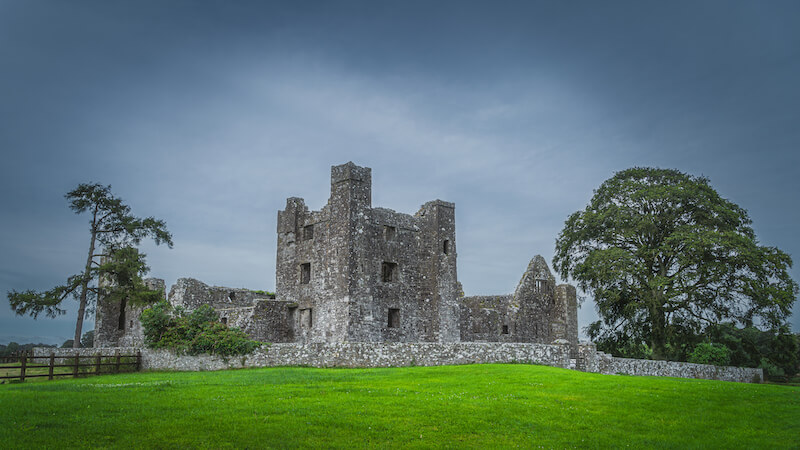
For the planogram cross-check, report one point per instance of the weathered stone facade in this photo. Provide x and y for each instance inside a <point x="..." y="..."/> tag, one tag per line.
<point x="117" y="324"/>
<point x="363" y="274"/>
<point x="353" y="273"/>
<point x="538" y="311"/>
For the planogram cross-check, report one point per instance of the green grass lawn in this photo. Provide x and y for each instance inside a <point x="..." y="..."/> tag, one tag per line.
<point x="451" y="406"/>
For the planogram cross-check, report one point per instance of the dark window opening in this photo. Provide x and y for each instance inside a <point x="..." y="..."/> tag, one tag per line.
<point x="232" y="296"/>
<point x="122" y="305"/>
<point x="308" y="232"/>
<point x="224" y="320"/>
<point x="131" y="324"/>
<point x="394" y="318"/>
<point x="305" y="273"/>
<point x="389" y="232"/>
<point x="291" y="322"/>
<point x="446" y="247"/>
<point x="388" y="272"/>
<point x="505" y="329"/>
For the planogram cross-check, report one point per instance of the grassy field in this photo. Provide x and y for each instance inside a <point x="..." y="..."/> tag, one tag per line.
<point x="453" y="406"/>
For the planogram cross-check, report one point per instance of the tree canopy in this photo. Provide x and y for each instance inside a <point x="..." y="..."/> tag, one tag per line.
<point x="116" y="231"/>
<point x="665" y="256"/>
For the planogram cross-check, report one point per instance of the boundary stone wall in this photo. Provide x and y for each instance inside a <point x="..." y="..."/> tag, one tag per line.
<point x="366" y="355"/>
<point x="358" y="354"/>
<point x="590" y="360"/>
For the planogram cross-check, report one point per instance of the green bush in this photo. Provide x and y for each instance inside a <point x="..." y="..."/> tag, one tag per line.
<point x="155" y="322"/>
<point x="194" y="333"/>
<point x="201" y="315"/>
<point x="707" y="353"/>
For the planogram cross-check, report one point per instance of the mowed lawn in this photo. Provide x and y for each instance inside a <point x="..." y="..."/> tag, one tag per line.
<point x="479" y="406"/>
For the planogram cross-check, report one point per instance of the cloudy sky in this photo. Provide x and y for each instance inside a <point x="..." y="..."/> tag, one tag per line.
<point x="208" y="114"/>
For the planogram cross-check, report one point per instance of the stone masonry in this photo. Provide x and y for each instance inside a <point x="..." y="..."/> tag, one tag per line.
<point x="351" y="272"/>
<point x="537" y="312"/>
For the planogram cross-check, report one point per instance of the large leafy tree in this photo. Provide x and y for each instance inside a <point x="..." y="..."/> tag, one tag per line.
<point x="114" y="230"/>
<point x="664" y="257"/>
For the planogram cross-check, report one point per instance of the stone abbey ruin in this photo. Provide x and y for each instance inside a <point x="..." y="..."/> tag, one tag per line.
<point x="351" y="272"/>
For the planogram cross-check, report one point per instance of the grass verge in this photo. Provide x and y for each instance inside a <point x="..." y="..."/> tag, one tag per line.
<point x="451" y="406"/>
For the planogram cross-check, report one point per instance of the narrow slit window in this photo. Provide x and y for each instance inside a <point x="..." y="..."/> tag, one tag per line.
<point x="446" y="247"/>
<point x="305" y="273"/>
<point x="389" y="272"/>
<point x="308" y="232"/>
<point x="505" y="329"/>
<point x="122" y="305"/>
<point x="394" y="318"/>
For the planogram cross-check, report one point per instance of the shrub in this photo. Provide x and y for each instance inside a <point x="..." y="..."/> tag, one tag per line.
<point x="193" y="333"/>
<point x="155" y="322"/>
<point x="201" y="315"/>
<point x="707" y="353"/>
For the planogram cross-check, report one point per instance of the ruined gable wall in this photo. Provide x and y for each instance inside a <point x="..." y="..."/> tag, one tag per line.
<point x="191" y="294"/>
<point x="537" y="312"/>
<point x="266" y="321"/>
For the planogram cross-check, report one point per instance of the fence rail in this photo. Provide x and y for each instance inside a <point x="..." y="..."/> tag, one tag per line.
<point x="27" y="363"/>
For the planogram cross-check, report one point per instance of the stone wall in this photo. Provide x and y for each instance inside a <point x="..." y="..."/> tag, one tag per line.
<point x="642" y="367"/>
<point x="191" y="294"/>
<point x="117" y="323"/>
<point x="591" y="360"/>
<point x="351" y="354"/>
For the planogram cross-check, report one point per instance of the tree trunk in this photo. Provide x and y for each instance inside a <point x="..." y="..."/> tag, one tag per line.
<point x="85" y="285"/>
<point x="658" y="335"/>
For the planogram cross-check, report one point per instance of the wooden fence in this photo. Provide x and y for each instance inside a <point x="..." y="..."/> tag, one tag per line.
<point x="27" y="362"/>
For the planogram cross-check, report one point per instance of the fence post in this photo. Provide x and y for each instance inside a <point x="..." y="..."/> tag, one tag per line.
<point x="116" y="356"/>
<point x="75" y="368"/>
<point x="138" y="360"/>
<point x="97" y="364"/>
<point x="22" y="368"/>
<point x="52" y="364"/>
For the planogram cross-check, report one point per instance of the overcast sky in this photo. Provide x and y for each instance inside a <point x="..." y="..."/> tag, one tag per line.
<point x="210" y="114"/>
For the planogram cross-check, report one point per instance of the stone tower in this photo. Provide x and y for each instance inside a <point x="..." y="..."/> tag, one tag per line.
<point x="363" y="274"/>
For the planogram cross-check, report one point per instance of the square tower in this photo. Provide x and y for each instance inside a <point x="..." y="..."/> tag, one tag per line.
<point x="363" y="274"/>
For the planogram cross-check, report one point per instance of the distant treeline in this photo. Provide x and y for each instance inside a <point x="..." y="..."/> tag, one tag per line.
<point x="13" y="347"/>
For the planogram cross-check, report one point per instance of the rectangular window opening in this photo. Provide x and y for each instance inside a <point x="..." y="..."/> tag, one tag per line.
<point x="224" y="320"/>
<point x="505" y="329"/>
<point x="389" y="272"/>
<point x="305" y="273"/>
<point x="389" y="232"/>
<point x="394" y="318"/>
<point x="306" y="317"/>
<point x="308" y="232"/>
<point x="446" y="246"/>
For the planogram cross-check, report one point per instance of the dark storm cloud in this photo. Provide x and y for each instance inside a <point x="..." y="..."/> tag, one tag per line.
<point x="210" y="114"/>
